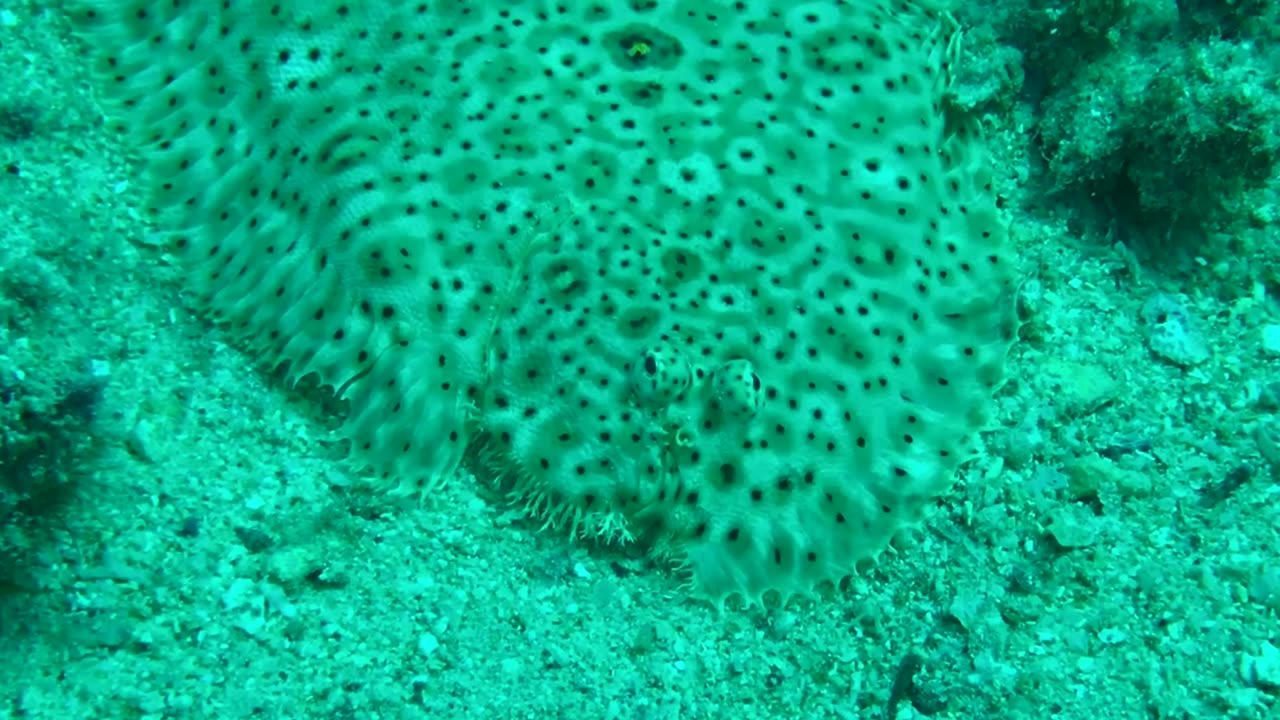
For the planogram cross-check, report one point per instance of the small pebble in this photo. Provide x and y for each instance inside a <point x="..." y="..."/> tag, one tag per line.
<point x="427" y="644"/>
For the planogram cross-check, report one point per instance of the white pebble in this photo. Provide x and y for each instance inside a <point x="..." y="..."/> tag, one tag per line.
<point x="1263" y="669"/>
<point x="1271" y="340"/>
<point x="427" y="644"/>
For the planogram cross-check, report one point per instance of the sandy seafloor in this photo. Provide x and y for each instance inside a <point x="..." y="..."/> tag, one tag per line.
<point x="221" y="563"/>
